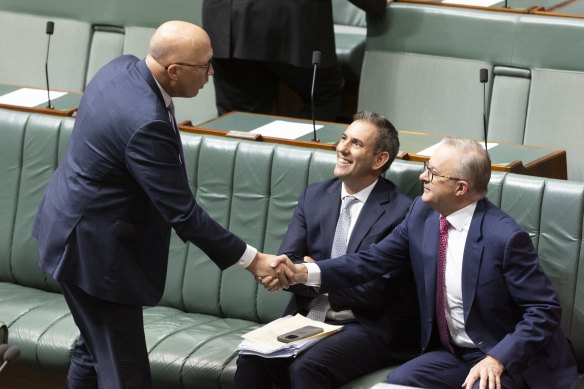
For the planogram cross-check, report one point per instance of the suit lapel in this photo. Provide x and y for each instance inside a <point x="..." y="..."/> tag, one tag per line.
<point x="473" y="256"/>
<point x="371" y="212"/>
<point x="330" y="206"/>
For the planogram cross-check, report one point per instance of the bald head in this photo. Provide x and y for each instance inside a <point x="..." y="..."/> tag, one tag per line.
<point x="178" y="41"/>
<point x="179" y="58"/>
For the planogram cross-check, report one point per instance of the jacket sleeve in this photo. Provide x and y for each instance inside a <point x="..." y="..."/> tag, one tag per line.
<point x="541" y="311"/>
<point x="152" y="157"/>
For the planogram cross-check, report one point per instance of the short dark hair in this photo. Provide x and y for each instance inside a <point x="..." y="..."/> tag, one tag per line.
<point x="387" y="138"/>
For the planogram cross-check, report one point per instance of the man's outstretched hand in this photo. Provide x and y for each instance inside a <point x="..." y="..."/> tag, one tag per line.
<point x="264" y="266"/>
<point x="286" y="273"/>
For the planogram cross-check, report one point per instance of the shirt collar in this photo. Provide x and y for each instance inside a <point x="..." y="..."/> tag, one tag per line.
<point x="461" y="218"/>
<point x="165" y="96"/>
<point x="362" y="195"/>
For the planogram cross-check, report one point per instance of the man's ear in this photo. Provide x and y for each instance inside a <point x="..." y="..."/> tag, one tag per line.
<point x="380" y="160"/>
<point x="172" y="72"/>
<point x="462" y="187"/>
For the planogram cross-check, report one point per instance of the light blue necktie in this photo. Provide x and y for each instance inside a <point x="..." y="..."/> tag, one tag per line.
<point x="340" y="241"/>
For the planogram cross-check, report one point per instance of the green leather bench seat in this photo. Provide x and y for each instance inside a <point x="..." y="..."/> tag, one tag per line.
<point x="252" y="189"/>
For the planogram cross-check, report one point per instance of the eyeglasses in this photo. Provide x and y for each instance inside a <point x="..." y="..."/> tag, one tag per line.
<point x="431" y="173"/>
<point x="205" y="67"/>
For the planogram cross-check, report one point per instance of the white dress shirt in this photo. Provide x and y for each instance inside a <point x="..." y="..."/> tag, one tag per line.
<point x="457" y="234"/>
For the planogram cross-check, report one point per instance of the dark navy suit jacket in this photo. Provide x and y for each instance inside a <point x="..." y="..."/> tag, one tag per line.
<point x="104" y="222"/>
<point x="510" y="307"/>
<point x="388" y="307"/>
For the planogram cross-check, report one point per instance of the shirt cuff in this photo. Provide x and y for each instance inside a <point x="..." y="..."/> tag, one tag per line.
<point x="313" y="278"/>
<point x="248" y="256"/>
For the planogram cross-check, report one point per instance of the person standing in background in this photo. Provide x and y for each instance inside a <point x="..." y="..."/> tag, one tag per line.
<point x="258" y="43"/>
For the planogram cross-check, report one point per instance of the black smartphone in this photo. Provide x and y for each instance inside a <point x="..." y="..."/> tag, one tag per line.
<point x="299" y="333"/>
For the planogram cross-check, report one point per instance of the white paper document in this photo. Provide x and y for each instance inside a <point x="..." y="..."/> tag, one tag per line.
<point x="428" y="151"/>
<point x="28" y="97"/>
<point x="285" y="130"/>
<point x="263" y="341"/>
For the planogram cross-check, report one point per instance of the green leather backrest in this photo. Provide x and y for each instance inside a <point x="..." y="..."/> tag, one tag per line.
<point x="553" y="47"/>
<point x="23" y="44"/>
<point x="30" y="149"/>
<point x="422" y="62"/>
<point x="508" y="110"/>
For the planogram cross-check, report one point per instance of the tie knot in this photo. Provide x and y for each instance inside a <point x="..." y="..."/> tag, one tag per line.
<point x="444" y="224"/>
<point x="348" y="201"/>
<point x="171" y="107"/>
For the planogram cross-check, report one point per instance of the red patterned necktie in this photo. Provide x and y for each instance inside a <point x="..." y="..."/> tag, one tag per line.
<point x="440" y="286"/>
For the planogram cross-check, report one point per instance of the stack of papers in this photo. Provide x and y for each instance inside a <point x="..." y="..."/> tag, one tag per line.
<point x="263" y="341"/>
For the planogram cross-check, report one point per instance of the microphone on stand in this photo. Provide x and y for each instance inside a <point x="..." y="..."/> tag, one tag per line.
<point x="484" y="78"/>
<point x="10" y="355"/>
<point x="50" y="29"/>
<point x="315" y="62"/>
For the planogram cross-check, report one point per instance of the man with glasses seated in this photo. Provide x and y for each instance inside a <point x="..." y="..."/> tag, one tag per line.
<point x="489" y="315"/>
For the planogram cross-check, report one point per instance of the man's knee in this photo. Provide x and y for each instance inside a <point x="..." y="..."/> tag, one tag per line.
<point x="397" y="377"/>
<point x="401" y="376"/>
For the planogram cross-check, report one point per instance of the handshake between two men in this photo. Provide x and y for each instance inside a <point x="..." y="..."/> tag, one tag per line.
<point x="278" y="272"/>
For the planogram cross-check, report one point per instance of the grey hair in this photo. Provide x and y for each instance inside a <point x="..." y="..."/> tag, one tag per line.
<point x="474" y="165"/>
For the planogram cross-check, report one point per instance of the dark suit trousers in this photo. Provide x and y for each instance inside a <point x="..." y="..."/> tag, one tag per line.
<point x="111" y="351"/>
<point x="329" y="363"/>
<point x="441" y="369"/>
<point x="252" y="86"/>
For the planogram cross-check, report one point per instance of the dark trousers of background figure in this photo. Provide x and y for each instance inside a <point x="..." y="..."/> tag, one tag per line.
<point x="440" y="369"/>
<point x="111" y="349"/>
<point x="329" y="363"/>
<point x="252" y="86"/>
